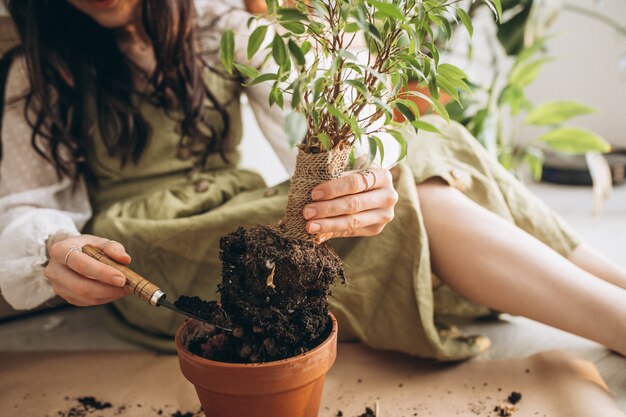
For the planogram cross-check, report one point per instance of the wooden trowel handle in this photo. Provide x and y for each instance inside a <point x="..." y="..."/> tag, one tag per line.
<point x="140" y="286"/>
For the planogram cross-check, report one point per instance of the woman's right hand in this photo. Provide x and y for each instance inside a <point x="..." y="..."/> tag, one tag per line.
<point x="84" y="281"/>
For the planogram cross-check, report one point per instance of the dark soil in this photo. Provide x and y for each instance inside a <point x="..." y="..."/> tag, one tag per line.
<point x="275" y="292"/>
<point x="368" y="413"/>
<point x="86" y="406"/>
<point x="92" y="403"/>
<point x="514" y="397"/>
<point x="206" y="310"/>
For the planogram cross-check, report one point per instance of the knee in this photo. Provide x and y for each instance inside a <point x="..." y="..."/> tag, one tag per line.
<point x="437" y="197"/>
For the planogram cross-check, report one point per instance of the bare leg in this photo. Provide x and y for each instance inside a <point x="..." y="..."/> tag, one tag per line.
<point x="494" y="263"/>
<point x="595" y="263"/>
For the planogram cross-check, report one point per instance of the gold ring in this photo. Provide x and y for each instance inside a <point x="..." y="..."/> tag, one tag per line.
<point x="106" y="243"/>
<point x="69" y="252"/>
<point x="365" y="173"/>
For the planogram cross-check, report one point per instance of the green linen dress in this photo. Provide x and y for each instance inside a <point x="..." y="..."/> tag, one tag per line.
<point x="170" y="218"/>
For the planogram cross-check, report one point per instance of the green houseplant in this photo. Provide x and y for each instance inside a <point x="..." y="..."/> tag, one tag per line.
<point x="277" y="277"/>
<point x="495" y="112"/>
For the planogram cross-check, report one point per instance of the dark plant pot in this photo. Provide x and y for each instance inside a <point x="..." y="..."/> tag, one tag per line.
<point x="286" y="388"/>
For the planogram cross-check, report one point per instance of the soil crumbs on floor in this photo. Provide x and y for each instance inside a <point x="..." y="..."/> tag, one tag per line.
<point x="89" y="406"/>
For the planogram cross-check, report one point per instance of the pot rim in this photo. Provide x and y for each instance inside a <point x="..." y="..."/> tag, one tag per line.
<point x="199" y="360"/>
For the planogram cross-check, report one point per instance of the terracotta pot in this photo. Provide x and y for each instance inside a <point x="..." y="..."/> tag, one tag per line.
<point x="260" y="7"/>
<point x="256" y="6"/>
<point x="287" y="388"/>
<point x="423" y="105"/>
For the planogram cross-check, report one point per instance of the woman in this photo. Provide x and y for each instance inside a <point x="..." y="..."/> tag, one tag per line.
<point x="123" y="101"/>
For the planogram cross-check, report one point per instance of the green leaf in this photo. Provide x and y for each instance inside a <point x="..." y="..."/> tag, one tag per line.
<point x="534" y="159"/>
<point x="294" y="27"/>
<point x="556" y="112"/>
<point x="574" y="140"/>
<point x="351" y="27"/>
<point x="451" y="72"/>
<point x="305" y="47"/>
<point x="296" y="52"/>
<point x="279" y="52"/>
<point x="359" y="86"/>
<point x="524" y="74"/>
<point x="287" y="14"/>
<point x="498" y="5"/>
<point x="406" y="112"/>
<point x="420" y="124"/>
<point x="448" y="87"/>
<point x="272" y="6"/>
<point x="334" y="111"/>
<point x="467" y="21"/>
<point x="496" y="8"/>
<point x="256" y="40"/>
<point x="262" y="78"/>
<point x="324" y="140"/>
<point x="399" y="137"/>
<point x="276" y="96"/>
<point x="388" y="9"/>
<point x="375" y="141"/>
<point x="247" y="71"/>
<point x="318" y="88"/>
<point x="227" y="49"/>
<point x="515" y="98"/>
<point x="296" y="127"/>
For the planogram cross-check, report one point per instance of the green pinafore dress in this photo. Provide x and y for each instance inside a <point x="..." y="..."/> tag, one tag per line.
<point x="170" y="216"/>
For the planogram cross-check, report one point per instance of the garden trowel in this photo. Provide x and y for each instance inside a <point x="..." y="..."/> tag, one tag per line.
<point x="140" y="286"/>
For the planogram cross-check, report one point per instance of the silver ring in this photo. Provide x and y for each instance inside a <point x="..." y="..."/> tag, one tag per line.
<point x="106" y="243"/>
<point x="365" y="174"/>
<point x="69" y="252"/>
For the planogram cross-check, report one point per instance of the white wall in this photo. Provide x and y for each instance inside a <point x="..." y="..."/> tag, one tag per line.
<point x="586" y="68"/>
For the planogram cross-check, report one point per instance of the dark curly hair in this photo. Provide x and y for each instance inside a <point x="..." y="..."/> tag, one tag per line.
<point x="72" y="61"/>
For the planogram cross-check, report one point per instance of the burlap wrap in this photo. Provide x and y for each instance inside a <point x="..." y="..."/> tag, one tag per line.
<point x="311" y="169"/>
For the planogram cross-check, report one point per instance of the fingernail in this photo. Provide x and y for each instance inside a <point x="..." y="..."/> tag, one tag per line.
<point x="317" y="195"/>
<point x="309" y="212"/>
<point x="119" y="281"/>
<point x="314" y="227"/>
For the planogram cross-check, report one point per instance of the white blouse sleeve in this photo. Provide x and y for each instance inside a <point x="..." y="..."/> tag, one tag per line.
<point x="34" y="204"/>
<point x="219" y="16"/>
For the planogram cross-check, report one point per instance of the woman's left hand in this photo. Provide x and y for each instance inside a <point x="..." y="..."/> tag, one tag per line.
<point x="360" y="203"/>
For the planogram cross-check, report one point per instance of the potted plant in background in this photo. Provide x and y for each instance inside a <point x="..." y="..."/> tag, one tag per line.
<point x="495" y="120"/>
<point x="276" y="278"/>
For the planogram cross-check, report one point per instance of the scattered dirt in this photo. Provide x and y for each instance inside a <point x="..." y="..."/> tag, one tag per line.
<point x="275" y="292"/>
<point x="85" y="406"/>
<point x="505" y="410"/>
<point x="89" y="406"/>
<point x="514" y="397"/>
<point x="368" y="413"/>
<point x="90" y="403"/>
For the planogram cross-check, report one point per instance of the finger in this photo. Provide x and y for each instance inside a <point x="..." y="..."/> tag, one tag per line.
<point x="68" y="296"/>
<point x="365" y="231"/>
<point x="82" y="287"/>
<point x="112" y="248"/>
<point x="87" y="266"/>
<point x="350" y="204"/>
<point x="348" y="224"/>
<point x="352" y="182"/>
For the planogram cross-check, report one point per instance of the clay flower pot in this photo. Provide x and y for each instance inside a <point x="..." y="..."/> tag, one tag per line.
<point x="286" y="388"/>
<point x="256" y="6"/>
